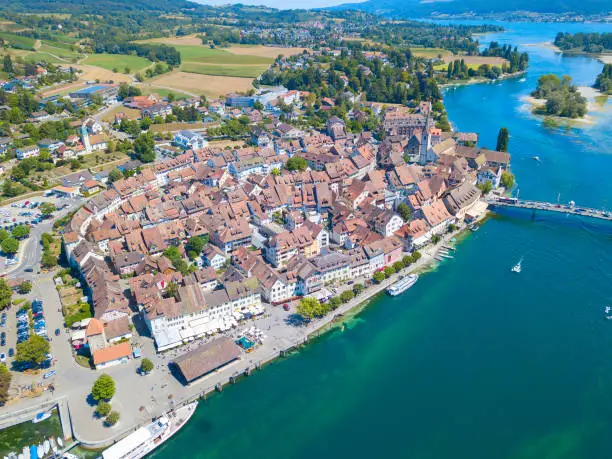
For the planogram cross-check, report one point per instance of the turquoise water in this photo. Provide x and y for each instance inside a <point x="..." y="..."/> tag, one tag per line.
<point x="473" y="361"/>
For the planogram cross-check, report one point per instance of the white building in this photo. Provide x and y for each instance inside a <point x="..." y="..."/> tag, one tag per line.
<point x="30" y="151"/>
<point x="189" y="140"/>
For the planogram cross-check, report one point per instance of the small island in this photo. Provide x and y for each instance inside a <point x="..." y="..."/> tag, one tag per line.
<point x="561" y="98"/>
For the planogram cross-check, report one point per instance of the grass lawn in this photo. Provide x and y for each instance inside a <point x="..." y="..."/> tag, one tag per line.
<point x="163" y="92"/>
<point x="118" y="61"/>
<point x="246" y="71"/>
<point x="430" y="52"/>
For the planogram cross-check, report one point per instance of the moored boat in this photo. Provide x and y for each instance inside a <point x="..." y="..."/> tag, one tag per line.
<point x="147" y="438"/>
<point x="403" y="284"/>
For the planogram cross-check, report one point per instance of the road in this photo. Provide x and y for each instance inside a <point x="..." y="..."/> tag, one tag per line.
<point x="32" y="249"/>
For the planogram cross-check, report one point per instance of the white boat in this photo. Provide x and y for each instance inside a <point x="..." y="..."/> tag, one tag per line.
<point x="403" y="284"/>
<point x="41" y="417"/>
<point x="70" y="456"/>
<point x="147" y="438"/>
<point x="517" y="267"/>
<point x="522" y="80"/>
<point x="536" y="158"/>
<point x="25" y="451"/>
<point x="60" y="442"/>
<point x="53" y="445"/>
<point x="40" y="452"/>
<point x="47" y="447"/>
<point x="607" y="309"/>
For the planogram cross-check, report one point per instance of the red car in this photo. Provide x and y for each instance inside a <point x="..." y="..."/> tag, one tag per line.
<point x="286" y="307"/>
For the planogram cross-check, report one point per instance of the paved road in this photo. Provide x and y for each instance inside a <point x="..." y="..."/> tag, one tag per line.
<point x="32" y="250"/>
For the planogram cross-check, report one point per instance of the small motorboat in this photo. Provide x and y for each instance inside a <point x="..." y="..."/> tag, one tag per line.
<point x="40" y="451"/>
<point x="33" y="452"/>
<point x="536" y="158"/>
<point x="517" y="267"/>
<point x="46" y="447"/>
<point x="41" y="417"/>
<point x="607" y="309"/>
<point x="60" y="442"/>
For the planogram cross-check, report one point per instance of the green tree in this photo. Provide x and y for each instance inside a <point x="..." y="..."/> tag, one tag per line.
<point x="334" y="302"/>
<point x="103" y="409"/>
<point x="407" y="260"/>
<point x="144" y="147"/>
<point x="416" y="255"/>
<point x="5" y="384"/>
<point x="196" y="244"/>
<point x="47" y="208"/>
<point x="112" y="418"/>
<point x="404" y="211"/>
<point x="21" y="231"/>
<point x="358" y="288"/>
<point x="146" y="366"/>
<point x="398" y="266"/>
<point x="103" y="388"/>
<point x="485" y="187"/>
<point x="34" y="350"/>
<point x="389" y="271"/>
<point x="6" y="294"/>
<point x="10" y="245"/>
<point x="48" y="260"/>
<point x="25" y="287"/>
<point x="507" y="179"/>
<point x="114" y="175"/>
<point x="347" y="296"/>
<point x="275" y="172"/>
<point x="3" y="234"/>
<point x="503" y="138"/>
<point x="379" y="276"/>
<point x="296" y="163"/>
<point x="7" y="65"/>
<point x="309" y="308"/>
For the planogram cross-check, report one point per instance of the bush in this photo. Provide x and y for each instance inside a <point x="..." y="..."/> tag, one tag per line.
<point x="103" y="409"/>
<point x="112" y="418"/>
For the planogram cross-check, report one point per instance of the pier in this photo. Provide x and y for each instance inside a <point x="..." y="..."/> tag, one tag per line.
<point x="570" y="208"/>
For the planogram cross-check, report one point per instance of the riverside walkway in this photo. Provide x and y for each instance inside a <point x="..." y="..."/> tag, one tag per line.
<point x="570" y="208"/>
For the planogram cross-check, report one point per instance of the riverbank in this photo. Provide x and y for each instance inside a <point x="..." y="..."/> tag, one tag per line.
<point x="275" y="347"/>
<point x="483" y="80"/>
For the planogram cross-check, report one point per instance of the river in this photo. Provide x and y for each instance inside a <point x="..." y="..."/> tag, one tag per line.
<point x="473" y="361"/>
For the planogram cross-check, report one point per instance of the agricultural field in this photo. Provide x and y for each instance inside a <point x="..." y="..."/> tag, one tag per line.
<point x="174" y="127"/>
<point x="205" y="54"/>
<point x="196" y="84"/>
<point x="245" y="71"/>
<point x="271" y="52"/>
<point x="473" y="62"/>
<point x="431" y="52"/>
<point x="19" y="42"/>
<point x="190" y="40"/>
<point x="118" y="61"/>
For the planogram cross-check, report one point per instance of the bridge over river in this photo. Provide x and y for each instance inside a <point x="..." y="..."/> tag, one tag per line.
<point x="570" y="208"/>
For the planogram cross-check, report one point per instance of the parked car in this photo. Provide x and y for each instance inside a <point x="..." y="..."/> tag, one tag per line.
<point x="3" y="357"/>
<point x="11" y="352"/>
<point x="57" y="332"/>
<point x="29" y="270"/>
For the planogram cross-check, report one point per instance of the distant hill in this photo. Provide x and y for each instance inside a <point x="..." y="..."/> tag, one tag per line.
<point x="417" y="8"/>
<point x="94" y="6"/>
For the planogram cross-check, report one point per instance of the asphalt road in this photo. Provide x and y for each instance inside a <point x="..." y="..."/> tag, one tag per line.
<point x="32" y="250"/>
